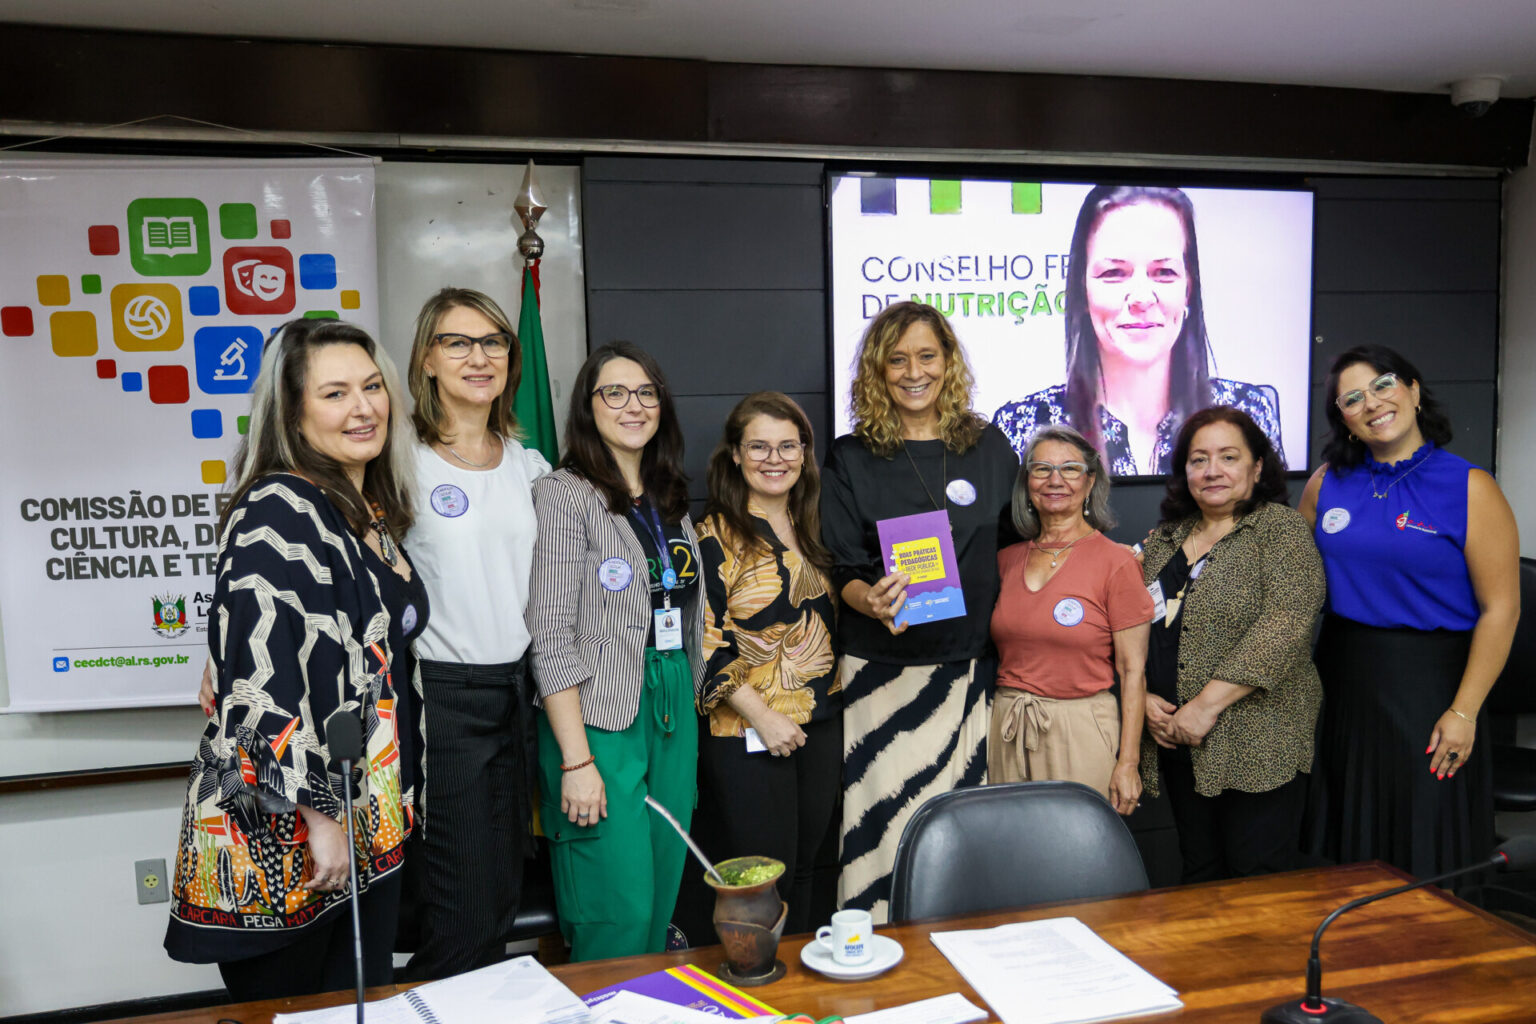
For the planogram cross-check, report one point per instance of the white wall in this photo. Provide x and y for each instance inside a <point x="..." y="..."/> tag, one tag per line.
<point x="1517" y="369"/>
<point x="73" y="933"/>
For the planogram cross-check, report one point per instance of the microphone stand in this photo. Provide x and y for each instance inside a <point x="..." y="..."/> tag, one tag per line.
<point x="1313" y="1007"/>
<point x="345" y="735"/>
<point x="357" y="921"/>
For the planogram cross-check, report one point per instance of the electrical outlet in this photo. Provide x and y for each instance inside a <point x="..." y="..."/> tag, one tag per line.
<point x="151" y="881"/>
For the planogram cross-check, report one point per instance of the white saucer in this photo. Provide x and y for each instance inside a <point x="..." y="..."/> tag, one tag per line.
<point x="887" y="954"/>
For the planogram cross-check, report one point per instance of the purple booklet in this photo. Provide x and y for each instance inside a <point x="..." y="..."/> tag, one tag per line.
<point x="923" y="547"/>
<point x="688" y="986"/>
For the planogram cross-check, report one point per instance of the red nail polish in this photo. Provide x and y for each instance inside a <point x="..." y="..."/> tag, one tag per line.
<point x="1429" y="749"/>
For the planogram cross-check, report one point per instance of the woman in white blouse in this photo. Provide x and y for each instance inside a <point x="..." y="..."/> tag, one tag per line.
<point x="473" y="545"/>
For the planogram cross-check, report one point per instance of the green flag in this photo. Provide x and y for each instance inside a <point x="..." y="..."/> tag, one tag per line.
<point x="535" y="412"/>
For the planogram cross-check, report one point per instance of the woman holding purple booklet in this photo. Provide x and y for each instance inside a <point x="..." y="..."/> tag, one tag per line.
<point x="915" y="697"/>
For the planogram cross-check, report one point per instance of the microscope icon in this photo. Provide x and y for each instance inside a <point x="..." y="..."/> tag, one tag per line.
<point x="233" y="356"/>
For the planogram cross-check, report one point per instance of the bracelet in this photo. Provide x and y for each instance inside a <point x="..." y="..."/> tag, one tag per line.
<point x="1461" y="716"/>
<point x="579" y="764"/>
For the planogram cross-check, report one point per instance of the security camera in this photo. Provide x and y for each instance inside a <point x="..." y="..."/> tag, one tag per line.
<point x="1473" y="96"/>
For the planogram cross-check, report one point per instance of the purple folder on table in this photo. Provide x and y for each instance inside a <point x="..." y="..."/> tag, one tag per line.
<point x="688" y="986"/>
<point x="923" y="547"/>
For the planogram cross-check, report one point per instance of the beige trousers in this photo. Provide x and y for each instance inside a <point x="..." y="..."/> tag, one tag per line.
<point x="1035" y="738"/>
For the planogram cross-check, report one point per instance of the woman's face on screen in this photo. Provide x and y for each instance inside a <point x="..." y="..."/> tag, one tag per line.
<point x="1137" y="283"/>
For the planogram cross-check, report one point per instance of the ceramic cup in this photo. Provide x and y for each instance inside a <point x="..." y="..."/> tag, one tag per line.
<point x="847" y="937"/>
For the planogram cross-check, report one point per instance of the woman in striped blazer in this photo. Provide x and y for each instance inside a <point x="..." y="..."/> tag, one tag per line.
<point x="616" y="614"/>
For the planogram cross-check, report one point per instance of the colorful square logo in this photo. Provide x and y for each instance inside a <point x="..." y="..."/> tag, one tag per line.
<point x="227" y="359"/>
<point x="146" y="317"/>
<point x="258" y="279"/>
<point x="169" y="237"/>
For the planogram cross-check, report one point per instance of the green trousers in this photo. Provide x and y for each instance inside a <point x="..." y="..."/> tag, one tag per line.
<point x="616" y="881"/>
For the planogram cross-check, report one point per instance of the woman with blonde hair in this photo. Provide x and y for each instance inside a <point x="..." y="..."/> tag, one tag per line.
<point x="915" y="697"/>
<point x="473" y="543"/>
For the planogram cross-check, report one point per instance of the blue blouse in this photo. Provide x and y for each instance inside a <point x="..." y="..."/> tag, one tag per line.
<point x="1398" y="561"/>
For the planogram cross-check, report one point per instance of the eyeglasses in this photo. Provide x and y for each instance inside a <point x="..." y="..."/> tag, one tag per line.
<point x="616" y="396"/>
<point x="1384" y="386"/>
<point x="458" y="346"/>
<point x="1068" y="470"/>
<point x="761" y="451"/>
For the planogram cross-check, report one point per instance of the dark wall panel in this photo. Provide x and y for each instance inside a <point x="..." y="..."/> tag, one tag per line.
<point x="705" y="235"/>
<point x="732" y="341"/>
<point x="1452" y="335"/>
<point x="1407" y="245"/>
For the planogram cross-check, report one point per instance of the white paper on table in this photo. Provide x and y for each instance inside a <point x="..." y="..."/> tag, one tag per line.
<point x="1053" y="972"/>
<point x="625" y="1007"/>
<point x="516" y="991"/>
<point x="953" y="1008"/>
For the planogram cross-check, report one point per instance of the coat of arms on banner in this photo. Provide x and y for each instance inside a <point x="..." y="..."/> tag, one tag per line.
<point x="171" y="615"/>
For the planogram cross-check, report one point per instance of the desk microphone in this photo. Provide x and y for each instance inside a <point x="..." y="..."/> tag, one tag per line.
<point x="344" y="735"/>
<point x="1517" y="854"/>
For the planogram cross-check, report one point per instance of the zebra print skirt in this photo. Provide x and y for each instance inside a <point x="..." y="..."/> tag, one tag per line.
<point x="909" y="732"/>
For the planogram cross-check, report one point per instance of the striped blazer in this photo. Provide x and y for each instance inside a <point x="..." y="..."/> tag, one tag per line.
<point x="585" y="635"/>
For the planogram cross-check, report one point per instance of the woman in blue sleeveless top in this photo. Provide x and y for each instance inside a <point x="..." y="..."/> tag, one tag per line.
<point x="1422" y="558"/>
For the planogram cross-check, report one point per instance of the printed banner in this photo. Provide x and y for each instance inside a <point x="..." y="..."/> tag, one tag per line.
<point x="135" y="298"/>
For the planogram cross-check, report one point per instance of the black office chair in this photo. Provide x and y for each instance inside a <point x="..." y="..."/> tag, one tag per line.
<point x="1514" y="767"/>
<point x="1010" y="845"/>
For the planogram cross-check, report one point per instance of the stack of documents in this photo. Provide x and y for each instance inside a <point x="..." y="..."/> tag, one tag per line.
<point x="1053" y="972"/>
<point x="517" y="991"/>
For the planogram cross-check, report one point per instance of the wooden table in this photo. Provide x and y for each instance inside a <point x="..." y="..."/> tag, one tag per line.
<point x="1231" y="949"/>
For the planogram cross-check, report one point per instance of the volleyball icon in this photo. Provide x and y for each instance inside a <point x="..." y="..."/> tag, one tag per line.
<point x="146" y="317"/>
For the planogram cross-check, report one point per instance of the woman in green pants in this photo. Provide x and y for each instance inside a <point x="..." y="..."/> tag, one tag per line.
<point x="616" y="617"/>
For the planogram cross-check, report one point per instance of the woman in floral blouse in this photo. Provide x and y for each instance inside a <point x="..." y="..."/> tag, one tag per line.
<point x="769" y="766"/>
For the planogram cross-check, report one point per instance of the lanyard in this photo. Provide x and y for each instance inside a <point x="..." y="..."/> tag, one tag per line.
<point x="658" y="535"/>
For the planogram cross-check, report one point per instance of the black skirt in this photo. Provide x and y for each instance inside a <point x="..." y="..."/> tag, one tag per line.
<point x="1383" y="691"/>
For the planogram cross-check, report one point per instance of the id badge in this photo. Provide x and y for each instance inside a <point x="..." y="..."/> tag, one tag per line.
<point x="1159" y="606"/>
<point x="669" y="629"/>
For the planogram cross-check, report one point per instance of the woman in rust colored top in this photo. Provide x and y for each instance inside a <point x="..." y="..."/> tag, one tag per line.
<point x="1072" y="612"/>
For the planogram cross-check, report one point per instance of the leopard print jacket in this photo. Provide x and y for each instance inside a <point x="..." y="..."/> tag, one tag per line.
<point x="1248" y="620"/>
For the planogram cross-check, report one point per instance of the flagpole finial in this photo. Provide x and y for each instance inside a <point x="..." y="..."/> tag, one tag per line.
<point x="530" y="206"/>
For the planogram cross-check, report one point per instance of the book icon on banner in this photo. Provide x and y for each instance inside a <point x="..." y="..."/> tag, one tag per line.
<point x="169" y="234"/>
<point x="923" y="547"/>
